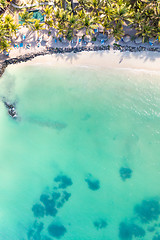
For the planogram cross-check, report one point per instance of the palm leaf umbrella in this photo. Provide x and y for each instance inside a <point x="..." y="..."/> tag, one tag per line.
<point x="127" y="38"/>
<point x="102" y="36"/>
<point x="138" y="40"/>
<point x="87" y="38"/>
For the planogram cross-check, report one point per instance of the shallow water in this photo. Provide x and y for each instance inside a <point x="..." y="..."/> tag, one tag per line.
<point x="82" y="160"/>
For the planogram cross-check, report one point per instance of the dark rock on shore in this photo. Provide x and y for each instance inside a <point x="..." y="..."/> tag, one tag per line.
<point x="53" y="50"/>
<point x="49" y="50"/>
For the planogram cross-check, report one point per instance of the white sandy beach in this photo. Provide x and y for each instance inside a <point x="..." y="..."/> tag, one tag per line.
<point x="104" y="59"/>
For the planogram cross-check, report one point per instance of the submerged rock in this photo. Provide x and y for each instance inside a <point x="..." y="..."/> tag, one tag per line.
<point x="38" y="210"/>
<point x="156" y="237"/>
<point x="46" y="238"/>
<point x="63" y="180"/>
<point x="65" y="197"/>
<point x="125" y="173"/>
<point x="93" y="183"/>
<point x="56" y="195"/>
<point x="151" y="229"/>
<point x="49" y="204"/>
<point x="56" y="230"/>
<point x="30" y="234"/>
<point x="148" y="210"/>
<point x="35" y="232"/>
<point x="38" y="226"/>
<point x="99" y="224"/>
<point x="11" y="109"/>
<point x="128" y="231"/>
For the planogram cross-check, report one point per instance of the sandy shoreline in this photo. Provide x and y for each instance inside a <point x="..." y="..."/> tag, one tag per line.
<point x="103" y="59"/>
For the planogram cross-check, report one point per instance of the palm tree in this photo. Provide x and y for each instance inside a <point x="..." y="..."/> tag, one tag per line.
<point x="49" y="23"/>
<point x="117" y="31"/>
<point x="4" y="37"/>
<point x="83" y="4"/>
<point x="3" y="31"/>
<point x="96" y="6"/>
<point x="121" y="11"/>
<point x="4" y="44"/>
<point x="87" y="22"/>
<point x="48" y="11"/>
<point x="72" y="24"/>
<point x="10" y="25"/>
<point x="37" y="26"/>
<point x="106" y="13"/>
<point x="145" y="30"/>
<point x="27" y="18"/>
<point x="3" y="4"/>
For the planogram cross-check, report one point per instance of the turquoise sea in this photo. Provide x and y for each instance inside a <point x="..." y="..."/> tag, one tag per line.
<point x="82" y="161"/>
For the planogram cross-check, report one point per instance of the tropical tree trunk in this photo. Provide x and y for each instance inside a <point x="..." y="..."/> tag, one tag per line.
<point x="72" y="6"/>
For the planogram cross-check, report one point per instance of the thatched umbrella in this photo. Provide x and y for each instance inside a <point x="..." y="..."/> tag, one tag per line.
<point x="102" y="36"/>
<point x="138" y="40"/>
<point x="127" y="38"/>
<point x="64" y="40"/>
<point x="152" y="40"/>
<point x="87" y="38"/>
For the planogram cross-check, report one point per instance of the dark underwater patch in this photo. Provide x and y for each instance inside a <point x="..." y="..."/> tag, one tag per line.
<point x="151" y="229"/>
<point x="93" y="183"/>
<point x="46" y="238"/>
<point x="99" y="224"/>
<point x="128" y="231"/>
<point x="63" y="180"/>
<point x="49" y="204"/>
<point x="48" y="123"/>
<point x="125" y="173"/>
<point x="64" y="198"/>
<point x="38" y="210"/>
<point x="56" y="195"/>
<point x="35" y="232"/>
<point x="148" y="210"/>
<point x="56" y="230"/>
<point x="156" y="237"/>
<point x="38" y="226"/>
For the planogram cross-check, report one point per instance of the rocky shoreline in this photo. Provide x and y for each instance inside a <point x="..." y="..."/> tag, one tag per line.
<point x="51" y="50"/>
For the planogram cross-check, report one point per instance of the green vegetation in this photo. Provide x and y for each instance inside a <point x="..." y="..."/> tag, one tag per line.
<point x="111" y="15"/>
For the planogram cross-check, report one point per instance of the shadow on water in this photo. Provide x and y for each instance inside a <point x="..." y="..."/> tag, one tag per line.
<point x="48" y="123"/>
